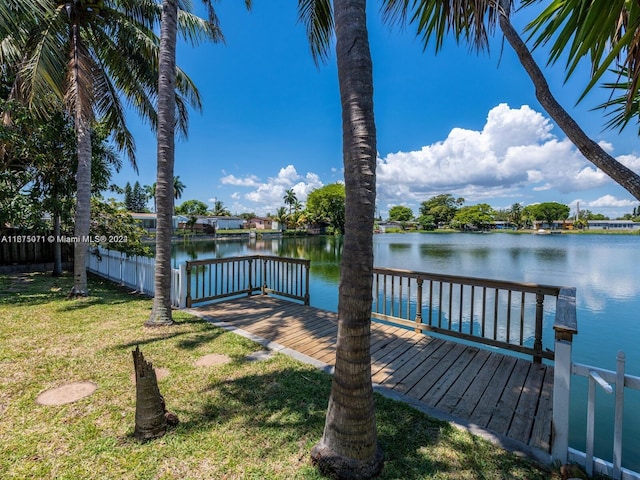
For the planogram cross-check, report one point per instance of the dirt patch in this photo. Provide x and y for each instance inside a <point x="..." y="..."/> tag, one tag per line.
<point x="212" y="359"/>
<point x="68" y="393"/>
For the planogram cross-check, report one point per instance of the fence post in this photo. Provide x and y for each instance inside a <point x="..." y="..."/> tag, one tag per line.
<point x="307" y="267"/>
<point x="537" y="343"/>
<point x="188" y="280"/>
<point x="565" y="327"/>
<point x="419" y="306"/>
<point x="617" y="429"/>
<point x="182" y="291"/>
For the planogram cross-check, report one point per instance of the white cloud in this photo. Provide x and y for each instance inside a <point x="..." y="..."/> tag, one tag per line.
<point x="609" y="201"/>
<point x="267" y="196"/>
<point x="248" y="181"/>
<point x="514" y="154"/>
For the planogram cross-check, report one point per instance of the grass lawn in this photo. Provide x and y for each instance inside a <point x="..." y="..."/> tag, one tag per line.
<point x="238" y="420"/>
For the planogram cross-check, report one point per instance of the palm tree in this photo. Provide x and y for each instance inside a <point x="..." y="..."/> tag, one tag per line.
<point x="150" y="191"/>
<point x="178" y="189"/>
<point x="89" y="54"/>
<point x="281" y="216"/>
<point x="349" y="446"/>
<point x="435" y="18"/>
<point x="219" y="209"/>
<point x="290" y="199"/>
<point x="161" y="311"/>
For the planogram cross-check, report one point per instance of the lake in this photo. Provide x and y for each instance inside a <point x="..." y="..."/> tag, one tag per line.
<point x="605" y="269"/>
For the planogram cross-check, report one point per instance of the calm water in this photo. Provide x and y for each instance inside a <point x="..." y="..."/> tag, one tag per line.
<point x="603" y="268"/>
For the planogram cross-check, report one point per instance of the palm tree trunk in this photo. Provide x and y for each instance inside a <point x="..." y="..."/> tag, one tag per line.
<point x="83" y="206"/>
<point x="349" y="447"/>
<point x="161" y="312"/>
<point x="57" y="247"/>
<point x="591" y="150"/>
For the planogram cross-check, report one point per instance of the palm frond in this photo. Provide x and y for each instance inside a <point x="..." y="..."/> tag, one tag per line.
<point x="607" y="34"/>
<point x="470" y="21"/>
<point x="317" y="17"/>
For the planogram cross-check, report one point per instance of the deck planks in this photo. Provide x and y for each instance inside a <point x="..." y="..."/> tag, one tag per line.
<point x="508" y="395"/>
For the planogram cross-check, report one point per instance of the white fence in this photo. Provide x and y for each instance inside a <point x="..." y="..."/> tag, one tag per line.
<point x="135" y="272"/>
<point x="613" y="383"/>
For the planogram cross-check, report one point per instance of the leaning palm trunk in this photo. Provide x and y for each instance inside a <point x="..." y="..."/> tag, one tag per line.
<point x="590" y="149"/>
<point x="349" y="446"/>
<point x="161" y="312"/>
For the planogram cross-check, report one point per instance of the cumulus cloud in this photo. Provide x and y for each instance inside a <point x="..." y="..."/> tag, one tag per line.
<point x="609" y="201"/>
<point x="515" y="151"/>
<point x="266" y="196"/>
<point x="248" y="181"/>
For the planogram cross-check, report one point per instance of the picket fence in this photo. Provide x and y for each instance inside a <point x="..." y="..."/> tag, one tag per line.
<point x="135" y="272"/>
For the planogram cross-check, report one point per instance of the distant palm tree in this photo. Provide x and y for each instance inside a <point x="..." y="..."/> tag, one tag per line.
<point x="290" y="199"/>
<point x="150" y="191"/>
<point x="349" y="446"/>
<point x="178" y="189"/>
<point x="219" y="209"/>
<point x="281" y="216"/>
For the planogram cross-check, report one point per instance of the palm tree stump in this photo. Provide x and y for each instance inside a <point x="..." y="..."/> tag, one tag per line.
<point x="152" y="417"/>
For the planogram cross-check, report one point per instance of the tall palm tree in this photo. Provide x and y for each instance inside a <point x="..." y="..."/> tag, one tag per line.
<point x="290" y="199"/>
<point x="89" y="54"/>
<point x="466" y="20"/>
<point x="161" y="311"/>
<point x="349" y="446"/>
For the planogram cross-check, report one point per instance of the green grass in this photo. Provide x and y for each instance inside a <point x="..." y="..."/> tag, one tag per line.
<point x="244" y="420"/>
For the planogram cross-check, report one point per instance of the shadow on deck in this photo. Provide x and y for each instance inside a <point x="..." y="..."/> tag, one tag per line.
<point x="496" y="395"/>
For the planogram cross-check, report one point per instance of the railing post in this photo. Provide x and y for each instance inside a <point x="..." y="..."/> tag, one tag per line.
<point x="188" y="280"/>
<point x="250" y="288"/>
<point x="565" y="327"/>
<point x="419" y="306"/>
<point x="264" y="275"/>
<point x="537" y="342"/>
<point x="306" y="283"/>
<point x="617" y="428"/>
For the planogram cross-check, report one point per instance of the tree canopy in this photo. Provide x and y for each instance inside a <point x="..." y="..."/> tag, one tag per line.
<point x="400" y="213"/>
<point x="441" y="207"/>
<point x="327" y="204"/>
<point x="548" y="212"/>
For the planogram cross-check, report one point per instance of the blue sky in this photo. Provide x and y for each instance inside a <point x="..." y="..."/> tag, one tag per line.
<point x="459" y="122"/>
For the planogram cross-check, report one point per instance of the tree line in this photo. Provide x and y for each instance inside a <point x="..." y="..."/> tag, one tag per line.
<point x="447" y="211"/>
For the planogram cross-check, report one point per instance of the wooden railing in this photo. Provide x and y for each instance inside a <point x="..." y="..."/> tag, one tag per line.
<point x="507" y="315"/>
<point x="218" y="278"/>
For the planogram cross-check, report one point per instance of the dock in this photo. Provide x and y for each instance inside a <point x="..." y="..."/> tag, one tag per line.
<point x="507" y="396"/>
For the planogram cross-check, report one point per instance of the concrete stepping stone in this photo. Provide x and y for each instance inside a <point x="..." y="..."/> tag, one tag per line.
<point x="212" y="359"/>
<point x="67" y="393"/>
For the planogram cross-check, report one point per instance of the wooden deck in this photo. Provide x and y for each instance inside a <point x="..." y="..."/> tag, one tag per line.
<point x="500" y="393"/>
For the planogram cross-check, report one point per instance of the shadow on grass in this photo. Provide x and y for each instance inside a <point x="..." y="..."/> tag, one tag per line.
<point x="290" y="405"/>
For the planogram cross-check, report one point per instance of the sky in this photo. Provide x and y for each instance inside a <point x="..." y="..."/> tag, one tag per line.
<point x="458" y="122"/>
